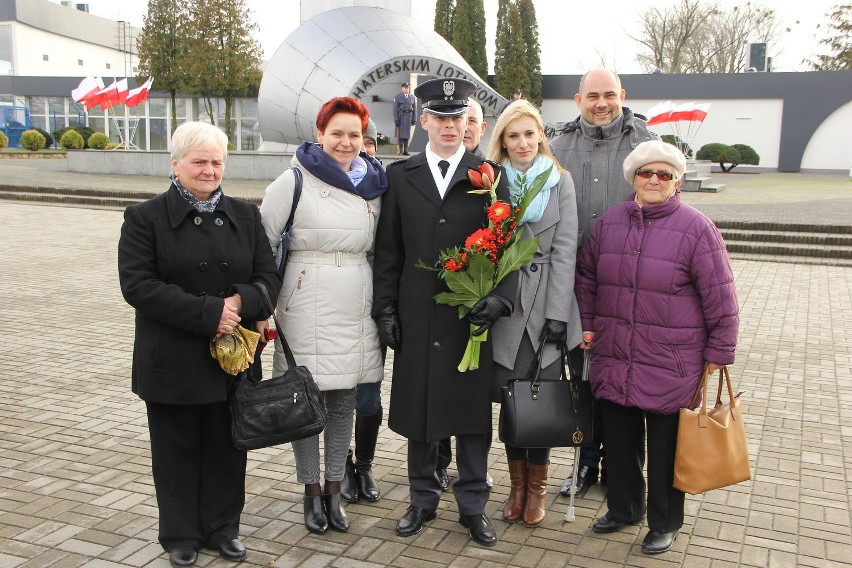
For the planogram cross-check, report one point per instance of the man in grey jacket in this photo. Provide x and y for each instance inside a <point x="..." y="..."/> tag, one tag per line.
<point x="593" y="147"/>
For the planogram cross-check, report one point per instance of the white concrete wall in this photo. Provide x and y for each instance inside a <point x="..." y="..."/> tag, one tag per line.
<point x="63" y="53"/>
<point x="830" y="147"/>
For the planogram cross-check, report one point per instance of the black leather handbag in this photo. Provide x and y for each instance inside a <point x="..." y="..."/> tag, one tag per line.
<point x="547" y="414"/>
<point x="278" y="410"/>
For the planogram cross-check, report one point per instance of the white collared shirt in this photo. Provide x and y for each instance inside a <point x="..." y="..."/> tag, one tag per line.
<point x="443" y="182"/>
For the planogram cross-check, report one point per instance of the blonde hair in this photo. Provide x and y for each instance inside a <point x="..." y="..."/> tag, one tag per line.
<point x="518" y="109"/>
<point x="191" y="135"/>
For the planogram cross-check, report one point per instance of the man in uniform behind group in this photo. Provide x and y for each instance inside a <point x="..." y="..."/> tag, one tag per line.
<point x="403" y="117"/>
<point x="593" y="148"/>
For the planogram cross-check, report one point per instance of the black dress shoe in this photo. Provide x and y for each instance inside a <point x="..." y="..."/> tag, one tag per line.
<point x="489" y="481"/>
<point x="479" y="528"/>
<point x="586" y="477"/>
<point x="655" y="542"/>
<point x="412" y="521"/>
<point x="183" y="556"/>
<point x="443" y="478"/>
<point x="315" y="518"/>
<point x="349" y="485"/>
<point x="232" y="550"/>
<point x="337" y="518"/>
<point x="607" y="524"/>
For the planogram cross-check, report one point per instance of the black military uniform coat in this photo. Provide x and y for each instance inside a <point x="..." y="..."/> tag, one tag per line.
<point x="176" y="266"/>
<point x="430" y="399"/>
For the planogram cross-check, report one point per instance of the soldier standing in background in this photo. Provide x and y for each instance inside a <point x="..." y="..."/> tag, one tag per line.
<point x="403" y="117"/>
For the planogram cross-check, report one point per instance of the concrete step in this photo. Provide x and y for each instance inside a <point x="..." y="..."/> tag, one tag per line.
<point x="844" y="262"/>
<point x="96" y="198"/>
<point x="701" y="184"/>
<point x="751" y="226"/>
<point x="789" y="249"/>
<point x="797" y="237"/>
<point x="98" y="202"/>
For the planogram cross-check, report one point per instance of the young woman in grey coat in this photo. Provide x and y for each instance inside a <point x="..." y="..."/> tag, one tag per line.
<point x="545" y="307"/>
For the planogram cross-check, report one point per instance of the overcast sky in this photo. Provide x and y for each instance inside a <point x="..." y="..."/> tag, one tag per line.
<point x="574" y="36"/>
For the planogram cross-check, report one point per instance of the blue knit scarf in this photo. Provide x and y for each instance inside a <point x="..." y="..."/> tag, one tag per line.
<point x="372" y="184"/>
<point x="519" y="182"/>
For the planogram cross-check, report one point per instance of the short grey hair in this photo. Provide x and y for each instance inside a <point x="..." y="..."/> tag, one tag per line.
<point x="193" y="135"/>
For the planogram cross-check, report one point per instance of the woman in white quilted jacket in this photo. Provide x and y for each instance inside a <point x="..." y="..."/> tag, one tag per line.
<point x="324" y="304"/>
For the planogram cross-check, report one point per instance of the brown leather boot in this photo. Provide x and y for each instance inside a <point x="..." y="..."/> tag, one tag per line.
<point x="534" y="510"/>
<point x="513" y="510"/>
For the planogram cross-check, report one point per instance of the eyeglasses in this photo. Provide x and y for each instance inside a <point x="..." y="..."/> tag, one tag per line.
<point x="648" y="174"/>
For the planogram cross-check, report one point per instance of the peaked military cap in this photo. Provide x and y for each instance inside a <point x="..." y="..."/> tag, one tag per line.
<point x="445" y="97"/>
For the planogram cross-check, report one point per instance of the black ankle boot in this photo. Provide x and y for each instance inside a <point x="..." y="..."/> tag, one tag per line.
<point x="366" y="435"/>
<point x="337" y="518"/>
<point x="315" y="517"/>
<point x="349" y="485"/>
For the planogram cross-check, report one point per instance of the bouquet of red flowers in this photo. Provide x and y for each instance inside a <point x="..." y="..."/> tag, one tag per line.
<point x="488" y="255"/>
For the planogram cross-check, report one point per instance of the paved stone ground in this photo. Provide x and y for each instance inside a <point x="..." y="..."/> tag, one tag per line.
<point x="75" y="483"/>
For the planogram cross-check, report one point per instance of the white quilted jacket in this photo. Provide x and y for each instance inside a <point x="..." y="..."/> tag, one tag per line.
<point x="325" y="301"/>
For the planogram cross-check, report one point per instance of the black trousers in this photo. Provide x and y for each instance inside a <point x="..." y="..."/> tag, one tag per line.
<point x="445" y="451"/>
<point x="470" y="490"/>
<point x="199" y="476"/>
<point x="625" y="428"/>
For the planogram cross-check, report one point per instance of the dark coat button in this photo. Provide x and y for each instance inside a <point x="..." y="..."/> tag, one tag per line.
<point x="202" y="267"/>
<point x="202" y="293"/>
<point x="197" y="220"/>
<point x="223" y="267"/>
<point x="442" y="221"/>
<point x="436" y="345"/>
<point x="534" y="268"/>
<point x="221" y="294"/>
<point x="219" y="222"/>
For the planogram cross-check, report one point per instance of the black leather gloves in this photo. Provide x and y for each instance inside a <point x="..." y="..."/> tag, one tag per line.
<point x="554" y="331"/>
<point x="486" y="312"/>
<point x="390" y="330"/>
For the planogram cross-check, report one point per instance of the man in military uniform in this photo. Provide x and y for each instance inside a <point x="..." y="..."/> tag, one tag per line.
<point x="403" y="117"/>
<point x="476" y="127"/>
<point x="427" y="208"/>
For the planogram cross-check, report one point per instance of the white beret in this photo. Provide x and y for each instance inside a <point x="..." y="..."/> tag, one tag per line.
<point x="650" y="152"/>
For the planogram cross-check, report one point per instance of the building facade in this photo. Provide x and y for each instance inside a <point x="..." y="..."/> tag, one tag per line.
<point x="795" y="121"/>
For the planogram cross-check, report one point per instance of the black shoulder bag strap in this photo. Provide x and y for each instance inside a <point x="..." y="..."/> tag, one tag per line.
<point x="297" y="194"/>
<point x="288" y="354"/>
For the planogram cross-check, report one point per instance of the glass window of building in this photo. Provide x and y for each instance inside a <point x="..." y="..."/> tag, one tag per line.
<point x="249" y="126"/>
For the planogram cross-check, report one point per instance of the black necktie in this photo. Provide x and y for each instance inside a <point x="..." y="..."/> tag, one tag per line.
<point x="444" y="165"/>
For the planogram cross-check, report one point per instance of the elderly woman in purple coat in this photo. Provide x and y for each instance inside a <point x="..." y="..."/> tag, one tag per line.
<point x="657" y="303"/>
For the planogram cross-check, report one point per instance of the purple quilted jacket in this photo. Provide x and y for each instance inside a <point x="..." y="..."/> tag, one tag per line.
<point x="655" y="285"/>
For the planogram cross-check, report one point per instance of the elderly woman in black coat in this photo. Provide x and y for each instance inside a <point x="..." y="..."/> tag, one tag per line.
<point x="188" y="260"/>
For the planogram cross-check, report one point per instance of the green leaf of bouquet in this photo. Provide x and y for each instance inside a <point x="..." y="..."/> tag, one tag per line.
<point x="516" y="256"/>
<point x="460" y="282"/>
<point x="456" y="299"/>
<point x="481" y="271"/>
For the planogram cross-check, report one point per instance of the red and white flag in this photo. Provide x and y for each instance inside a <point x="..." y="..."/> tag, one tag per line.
<point x="98" y="97"/>
<point x="659" y="113"/>
<point x="139" y="94"/>
<point x="666" y="112"/>
<point x="116" y="95"/>
<point x="87" y="87"/>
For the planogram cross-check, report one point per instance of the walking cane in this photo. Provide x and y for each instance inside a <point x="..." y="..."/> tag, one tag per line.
<point x="569" y="514"/>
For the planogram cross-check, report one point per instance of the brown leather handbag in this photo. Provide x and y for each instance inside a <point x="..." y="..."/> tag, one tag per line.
<point x="711" y="446"/>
